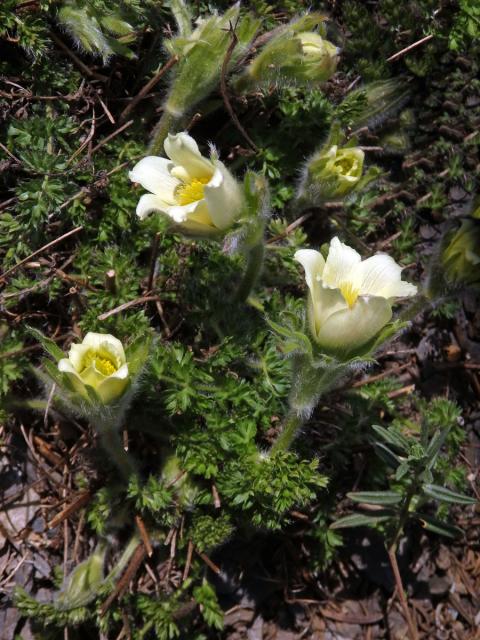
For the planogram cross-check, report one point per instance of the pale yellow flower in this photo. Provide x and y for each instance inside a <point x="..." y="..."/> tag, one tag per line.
<point x="198" y="194"/>
<point x="350" y="299"/>
<point x="99" y="362"/>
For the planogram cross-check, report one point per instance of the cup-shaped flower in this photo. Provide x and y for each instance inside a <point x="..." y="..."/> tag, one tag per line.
<point x="460" y="257"/>
<point x="334" y="172"/>
<point x="98" y="362"/>
<point x="349" y="299"/>
<point x="300" y="58"/>
<point x="198" y="194"/>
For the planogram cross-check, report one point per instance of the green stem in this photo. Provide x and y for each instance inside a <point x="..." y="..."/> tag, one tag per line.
<point x="167" y="124"/>
<point x="309" y="385"/>
<point x="252" y="273"/>
<point x="291" y="426"/>
<point x="111" y="442"/>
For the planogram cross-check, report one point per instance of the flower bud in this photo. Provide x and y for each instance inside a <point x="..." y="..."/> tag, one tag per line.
<point x="98" y="363"/>
<point x="460" y="255"/>
<point x="198" y="194"/>
<point x="301" y="58"/>
<point x="201" y="54"/>
<point x="349" y="300"/>
<point x="332" y="173"/>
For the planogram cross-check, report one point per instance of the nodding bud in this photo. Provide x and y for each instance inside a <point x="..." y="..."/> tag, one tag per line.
<point x="300" y="58"/>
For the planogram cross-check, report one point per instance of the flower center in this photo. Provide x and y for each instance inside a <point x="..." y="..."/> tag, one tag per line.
<point x="349" y="292"/>
<point x="345" y="165"/>
<point x="191" y="192"/>
<point x="103" y="365"/>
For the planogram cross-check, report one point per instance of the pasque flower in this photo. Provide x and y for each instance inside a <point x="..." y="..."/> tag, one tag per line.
<point x="98" y="362"/>
<point x="334" y="172"/>
<point x="198" y="194"/>
<point x="349" y="300"/>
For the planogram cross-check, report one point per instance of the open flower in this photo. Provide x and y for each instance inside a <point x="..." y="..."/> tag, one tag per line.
<point x="349" y="299"/>
<point x="99" y="362"/>
<point x="198" y="194"/>
<point x="335" y="172"/>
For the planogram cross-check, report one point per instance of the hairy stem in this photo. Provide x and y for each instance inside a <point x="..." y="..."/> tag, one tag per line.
<point x="252" y="273"/>
<point x="111" y="442"/>
<point x="167" y="124"/>
<point x="290" y="428"/>
<point x="309" y="385"/>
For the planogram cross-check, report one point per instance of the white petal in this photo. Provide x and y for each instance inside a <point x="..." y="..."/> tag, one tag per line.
<point x="313" y="263"/>
<point x="380" y="275"/>
<point x="328" y="302"/>
<point x="65" y="366"/>
<point x="349" y="329"/>
<point x="223" y="197"/>
<point x="149" y="203"/>
<point x="76" y="355"/>
<point x="98" y="340"/>
<point x="153" y="174"/>
<point x="195" y="211"/>
<point x="113" y="387"/>
<point x="183" y="150"/>
<point x="341" y="260"/>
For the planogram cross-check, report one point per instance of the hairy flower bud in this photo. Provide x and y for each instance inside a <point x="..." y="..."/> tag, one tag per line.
<point x="332" y="173"/>
<point x="349" y="300"/>
<point x="198" y="194"/>
<point x="460" y="257"/>
<point x="99" y="362"/>
<point x="298" y="57"/>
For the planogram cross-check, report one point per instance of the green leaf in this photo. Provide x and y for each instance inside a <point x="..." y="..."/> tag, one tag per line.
<point x="435" y="445"/>
<point x="362" y="519"/>
<point x="387" y="455"/>
<point x="392" y="437"/>
<point x="49" y="346"/>
<point x="375" y="497"/>
<point x="137" y="353"/>
<point x="437" y="526"/>
<point x="445" y="495"/>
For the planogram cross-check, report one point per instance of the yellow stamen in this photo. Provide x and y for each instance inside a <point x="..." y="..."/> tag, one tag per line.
<point x="345" y="165"/>
<point x="349" y="293"/>
<point x="191" y="192"/>
<point x="103" y="365"/>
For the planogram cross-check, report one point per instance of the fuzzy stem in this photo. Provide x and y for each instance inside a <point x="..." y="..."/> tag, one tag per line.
<point x="291" y="426"/>
<point x="111" y="442"/>
<point x="167" y="124"/>
<point x="308" y="387"/>
<point x="252" y="273"/>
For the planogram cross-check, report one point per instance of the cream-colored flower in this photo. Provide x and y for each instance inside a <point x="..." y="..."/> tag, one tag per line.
<point x="336" y="171"/>
<point x="349" y="299"/>
<point x="99" y="362"/>
<point x="198" y="194"/>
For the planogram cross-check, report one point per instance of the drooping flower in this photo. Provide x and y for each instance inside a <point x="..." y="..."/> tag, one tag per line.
<point x="98" y="362"/>
<point x="350" y="299"/>
<point x="198" y="194"/>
